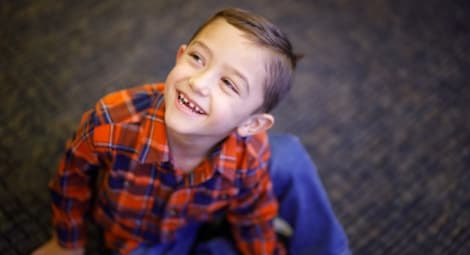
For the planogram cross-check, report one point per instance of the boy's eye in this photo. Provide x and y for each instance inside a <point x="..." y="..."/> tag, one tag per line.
<point x="229" y="84"/>
<point x="197" y="58"/>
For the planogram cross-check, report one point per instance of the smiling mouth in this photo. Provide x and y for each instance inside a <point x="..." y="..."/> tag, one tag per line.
<point x="182" y="99"/>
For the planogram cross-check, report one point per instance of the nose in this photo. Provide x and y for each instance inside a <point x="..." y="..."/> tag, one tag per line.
<point x="200" y="83"/>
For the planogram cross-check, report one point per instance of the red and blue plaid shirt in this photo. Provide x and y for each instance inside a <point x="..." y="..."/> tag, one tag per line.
<point x="117" y="168"/>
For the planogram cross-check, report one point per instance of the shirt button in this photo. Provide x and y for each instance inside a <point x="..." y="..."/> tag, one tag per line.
<point x="224" y="196"/>
<point x="172" y="212"/>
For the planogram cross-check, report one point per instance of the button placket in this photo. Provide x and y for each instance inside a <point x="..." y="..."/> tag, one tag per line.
<point x="172" y="212"/>
<point x="177" y="202"/>
<point x="224" y="196"/>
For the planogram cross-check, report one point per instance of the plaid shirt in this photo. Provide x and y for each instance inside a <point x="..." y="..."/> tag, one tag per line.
<point x="121" y="148"/>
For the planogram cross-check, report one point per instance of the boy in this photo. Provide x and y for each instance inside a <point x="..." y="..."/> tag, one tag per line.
<point x="151" y="164"/>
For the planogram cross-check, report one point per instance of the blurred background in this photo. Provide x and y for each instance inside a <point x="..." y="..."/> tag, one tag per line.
<point x="381" y="101"/>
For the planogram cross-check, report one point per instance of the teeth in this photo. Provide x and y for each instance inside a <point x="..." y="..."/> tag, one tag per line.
<point x="186" y="102"/>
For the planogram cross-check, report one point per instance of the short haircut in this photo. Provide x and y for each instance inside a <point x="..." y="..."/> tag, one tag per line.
<point x="281" y="64"/>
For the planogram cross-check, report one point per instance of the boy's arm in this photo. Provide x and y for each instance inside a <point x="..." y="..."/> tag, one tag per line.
<point x="71" y="187"/>
<point x="251" y="217"/>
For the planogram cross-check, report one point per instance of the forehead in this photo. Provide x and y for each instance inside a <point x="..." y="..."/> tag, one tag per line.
<point x="233" y="47"/>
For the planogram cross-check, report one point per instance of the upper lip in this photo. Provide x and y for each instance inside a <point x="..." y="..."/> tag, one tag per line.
<point x="191" y="101"/>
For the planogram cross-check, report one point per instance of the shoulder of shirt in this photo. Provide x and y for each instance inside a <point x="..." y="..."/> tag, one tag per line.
<point x="252" y="151"/>
<point x="251" y="157"/>
<point x="257" y="144"/>
<point x="127" y="105"/>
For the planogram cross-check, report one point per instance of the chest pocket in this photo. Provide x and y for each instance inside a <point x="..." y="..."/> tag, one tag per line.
<point x="207" y="203"/>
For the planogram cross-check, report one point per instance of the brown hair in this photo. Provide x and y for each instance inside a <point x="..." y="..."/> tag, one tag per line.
<point x="263" y="32"/>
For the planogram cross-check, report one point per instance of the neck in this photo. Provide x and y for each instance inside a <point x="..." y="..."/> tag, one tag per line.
<point x="188" y="151"/>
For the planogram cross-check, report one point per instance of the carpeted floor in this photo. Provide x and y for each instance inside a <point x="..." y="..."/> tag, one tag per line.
<point x="381" y="101"/>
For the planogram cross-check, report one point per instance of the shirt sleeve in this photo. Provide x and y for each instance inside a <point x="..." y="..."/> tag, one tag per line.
<point x="71" y="187"/>
<point x="252" y="215"/>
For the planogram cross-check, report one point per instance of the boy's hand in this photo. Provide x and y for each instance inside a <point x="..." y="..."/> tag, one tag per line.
<point x="52" y="247"/>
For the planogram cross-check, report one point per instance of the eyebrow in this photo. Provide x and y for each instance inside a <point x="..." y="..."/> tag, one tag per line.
<point x="201" y="44"/>
<point x="233" y="70"/>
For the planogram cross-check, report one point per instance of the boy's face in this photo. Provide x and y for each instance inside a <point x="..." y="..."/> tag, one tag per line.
<point x="217" y="84"/>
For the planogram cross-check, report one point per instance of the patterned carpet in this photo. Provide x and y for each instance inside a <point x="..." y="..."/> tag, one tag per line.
<point x="381" y="101"/>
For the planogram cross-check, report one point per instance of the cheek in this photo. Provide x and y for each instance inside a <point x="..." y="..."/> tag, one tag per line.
<point x="229" y="112"/>
<point x="172" y="76"/>
<point x="177" y="73"/>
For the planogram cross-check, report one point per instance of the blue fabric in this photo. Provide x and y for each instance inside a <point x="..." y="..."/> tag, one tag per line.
<point x="304" y="204"/>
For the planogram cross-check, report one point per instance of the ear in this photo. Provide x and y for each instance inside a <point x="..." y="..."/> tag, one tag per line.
<point x="255" y="124"/>
<point x="180" y="51"/>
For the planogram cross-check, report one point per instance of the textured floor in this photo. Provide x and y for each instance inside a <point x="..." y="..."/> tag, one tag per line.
<point x="381" y="101"/>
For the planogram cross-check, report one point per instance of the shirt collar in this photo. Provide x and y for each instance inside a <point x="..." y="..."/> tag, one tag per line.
<point x="226" y="159"/>
<point x="153" y="143"/>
